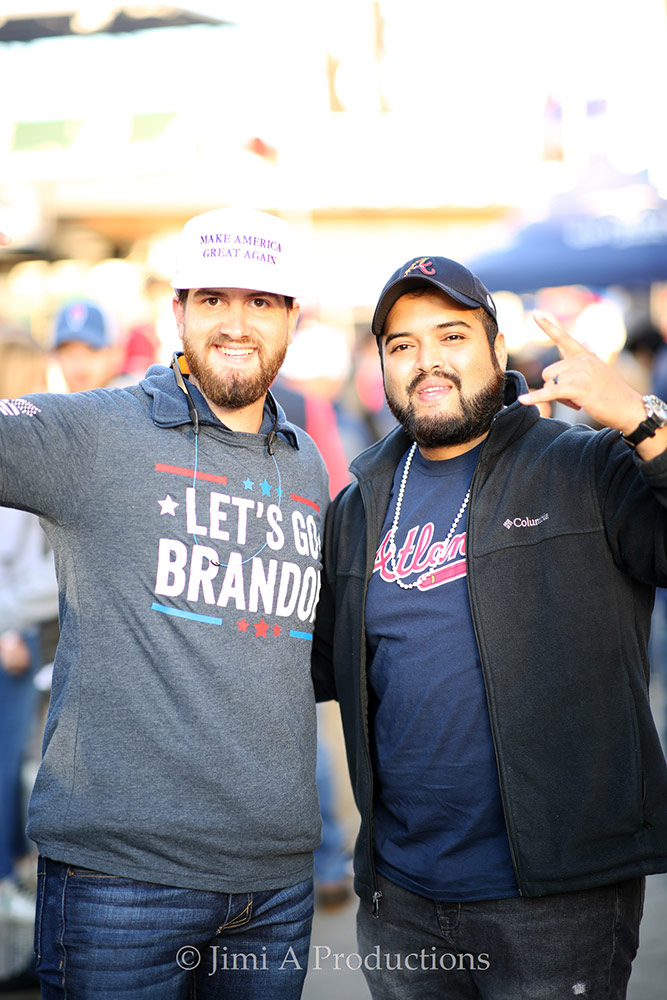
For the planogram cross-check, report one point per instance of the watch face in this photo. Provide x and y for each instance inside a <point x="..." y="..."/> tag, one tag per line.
<point x="656" y="409"/>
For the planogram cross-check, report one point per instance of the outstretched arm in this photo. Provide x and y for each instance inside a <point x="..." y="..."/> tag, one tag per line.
<point x="580" y="379"/>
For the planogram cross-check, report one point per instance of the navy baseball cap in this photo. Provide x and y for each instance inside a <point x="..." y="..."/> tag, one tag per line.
<point x="85" y="322"/>
<point x="447" y="275"/>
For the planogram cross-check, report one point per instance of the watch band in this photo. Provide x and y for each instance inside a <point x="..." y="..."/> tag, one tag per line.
<point x="656" y="417"/>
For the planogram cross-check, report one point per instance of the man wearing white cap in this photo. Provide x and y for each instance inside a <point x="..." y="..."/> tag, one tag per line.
<point x="175" y="809"/>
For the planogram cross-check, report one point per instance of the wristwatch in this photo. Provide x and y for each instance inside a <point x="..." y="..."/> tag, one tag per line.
<point x="656" y="416"/>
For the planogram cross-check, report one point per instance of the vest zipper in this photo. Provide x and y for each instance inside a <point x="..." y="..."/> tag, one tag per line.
<point x="469" y="524"/>
<point x="363" y="697"/>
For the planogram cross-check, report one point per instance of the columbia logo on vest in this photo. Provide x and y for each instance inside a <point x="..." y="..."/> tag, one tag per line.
<point x="524" y="522"/>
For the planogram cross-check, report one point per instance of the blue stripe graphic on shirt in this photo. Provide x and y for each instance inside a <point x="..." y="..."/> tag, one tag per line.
<point x="208" y="619"/>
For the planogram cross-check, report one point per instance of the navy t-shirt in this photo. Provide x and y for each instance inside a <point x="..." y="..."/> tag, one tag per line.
<point x="438" y="820"/>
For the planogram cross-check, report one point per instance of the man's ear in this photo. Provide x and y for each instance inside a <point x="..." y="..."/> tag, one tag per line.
<point x="179" y="313"/>
<point x="500" y="349"/>
<point x="381" y="353"/>
<point x="292" y="317"/>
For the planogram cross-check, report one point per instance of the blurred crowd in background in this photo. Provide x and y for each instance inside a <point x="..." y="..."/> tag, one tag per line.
<point x="125" y="324"/>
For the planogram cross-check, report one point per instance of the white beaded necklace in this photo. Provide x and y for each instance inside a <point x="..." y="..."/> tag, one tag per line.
<point x="397" y="514"/>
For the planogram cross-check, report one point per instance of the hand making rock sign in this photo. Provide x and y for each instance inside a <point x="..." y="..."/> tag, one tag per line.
<point x="581" y="380"/>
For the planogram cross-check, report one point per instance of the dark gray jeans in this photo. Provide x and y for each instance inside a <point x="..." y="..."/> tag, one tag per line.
<point x="575" y="944"/>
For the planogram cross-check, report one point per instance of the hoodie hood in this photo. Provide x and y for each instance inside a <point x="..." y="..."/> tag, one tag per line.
<point x="170" y="406"/>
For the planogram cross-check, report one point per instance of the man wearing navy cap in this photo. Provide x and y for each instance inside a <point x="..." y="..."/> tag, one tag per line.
<point x="484" y="616"/>
<point x="85" y="346"/>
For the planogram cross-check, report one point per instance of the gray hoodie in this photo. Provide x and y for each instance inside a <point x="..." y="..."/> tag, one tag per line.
<point x="180" y="742"/>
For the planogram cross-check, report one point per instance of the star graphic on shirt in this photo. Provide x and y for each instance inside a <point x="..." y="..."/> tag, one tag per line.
<point x="266" y="488"/>
<point x="260" y="629"/>
<point x="243" y="625"/>
<point x="279" y="493"/>
<point x="168" y="506"/>
<point x="276" y="630"/>
<point x="248" y="484"/>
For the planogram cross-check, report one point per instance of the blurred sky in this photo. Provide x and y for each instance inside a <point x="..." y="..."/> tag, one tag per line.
<point x="476" y="71"/>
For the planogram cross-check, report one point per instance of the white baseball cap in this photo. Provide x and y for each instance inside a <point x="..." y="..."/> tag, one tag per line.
<point x="238" y="248"/>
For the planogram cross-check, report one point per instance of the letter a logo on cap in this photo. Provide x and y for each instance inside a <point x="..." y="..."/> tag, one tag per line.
<point x="423" y="264"/>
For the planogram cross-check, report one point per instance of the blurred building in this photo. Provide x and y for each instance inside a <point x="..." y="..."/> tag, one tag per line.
<point x="378" y="134"/>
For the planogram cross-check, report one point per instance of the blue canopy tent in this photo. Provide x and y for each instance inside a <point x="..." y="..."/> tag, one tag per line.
<point x="579" y="250"/>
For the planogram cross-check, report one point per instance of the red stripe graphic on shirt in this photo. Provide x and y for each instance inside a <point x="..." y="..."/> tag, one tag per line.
<point x="445" y="574"/>
<point x="310" y="503"/>
<point x="176" y="470"/>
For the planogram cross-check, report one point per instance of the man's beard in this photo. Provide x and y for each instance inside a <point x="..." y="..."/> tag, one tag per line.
<point x="235" y="389"/>
<point x="443" y="429"/>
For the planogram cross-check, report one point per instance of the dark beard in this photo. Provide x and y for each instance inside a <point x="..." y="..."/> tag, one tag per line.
<point x="236" y="390"/>
<point x="441" y="430"/>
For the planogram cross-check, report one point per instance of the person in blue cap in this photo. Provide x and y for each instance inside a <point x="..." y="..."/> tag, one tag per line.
<point x="86" y="345"/>
<point x="484" y="618"/>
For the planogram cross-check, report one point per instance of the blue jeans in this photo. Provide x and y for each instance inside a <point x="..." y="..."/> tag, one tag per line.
<point x="18" y="702"/>
<point x="574" y="944"/>
<point x="99" y="936"/>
